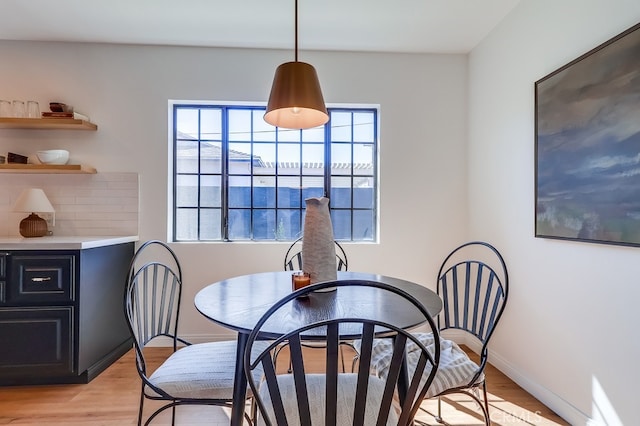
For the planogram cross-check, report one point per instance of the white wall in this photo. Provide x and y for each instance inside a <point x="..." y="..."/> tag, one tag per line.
<point x="569" y="334"/>
<point x="125" y="90"/>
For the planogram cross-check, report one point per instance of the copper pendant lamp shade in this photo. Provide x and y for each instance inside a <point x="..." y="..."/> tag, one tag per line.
<point x="296" y="100"/>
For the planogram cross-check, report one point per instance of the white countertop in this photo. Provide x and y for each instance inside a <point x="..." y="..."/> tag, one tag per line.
<point x="62" y="243"/>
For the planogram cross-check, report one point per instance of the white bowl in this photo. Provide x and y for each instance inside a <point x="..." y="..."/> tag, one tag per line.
<point x="53" y="156"/>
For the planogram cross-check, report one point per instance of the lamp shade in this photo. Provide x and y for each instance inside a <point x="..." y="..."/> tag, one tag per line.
<point x="296" y="100"/>
<point x="33" y="200"/>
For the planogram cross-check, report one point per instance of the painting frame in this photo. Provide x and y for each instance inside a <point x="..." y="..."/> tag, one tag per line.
<point x="587" y="146"/>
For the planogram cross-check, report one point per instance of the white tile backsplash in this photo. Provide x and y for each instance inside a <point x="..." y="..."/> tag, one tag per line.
<point x="102" y="204"/>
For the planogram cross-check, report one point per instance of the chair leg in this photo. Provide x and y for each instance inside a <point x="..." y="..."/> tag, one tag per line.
<point x="486" y="404"/>
<point x="473" y="394"/>
<point x="439" y="416"/>
<point x="355" y="357"/>
<point x="276" y="352"/>
<point x="173" y="415"/>
<point x="254" y="411"/>
<point x="344" y="368"/>
<point x="141" y="406"/>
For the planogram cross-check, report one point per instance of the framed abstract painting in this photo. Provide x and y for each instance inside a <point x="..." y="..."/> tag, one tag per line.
<point x="587" y="146"/>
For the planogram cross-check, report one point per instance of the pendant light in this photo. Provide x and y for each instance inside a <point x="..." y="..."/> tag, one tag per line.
<point x="296" y="100"/>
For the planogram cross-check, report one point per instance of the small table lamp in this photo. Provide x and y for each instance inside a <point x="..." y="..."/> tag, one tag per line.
<point x="33" y="200"/>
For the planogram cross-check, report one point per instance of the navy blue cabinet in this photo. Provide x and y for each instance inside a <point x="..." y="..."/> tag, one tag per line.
<point x="61" y="316"/>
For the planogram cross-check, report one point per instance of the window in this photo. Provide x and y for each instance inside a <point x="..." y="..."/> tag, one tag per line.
<point x="238" y="178"/>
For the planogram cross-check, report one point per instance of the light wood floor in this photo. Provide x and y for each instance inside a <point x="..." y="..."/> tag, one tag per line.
<point x="111" y="399"/>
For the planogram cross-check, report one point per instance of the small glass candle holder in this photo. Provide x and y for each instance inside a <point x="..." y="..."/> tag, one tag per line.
<point x="299" y="280"/>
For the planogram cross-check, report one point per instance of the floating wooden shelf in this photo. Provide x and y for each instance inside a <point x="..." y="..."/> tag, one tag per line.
<point x="46" y="123"/>
<point x="46" y="168"/>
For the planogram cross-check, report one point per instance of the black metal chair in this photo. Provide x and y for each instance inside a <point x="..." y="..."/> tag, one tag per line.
<point x="474" y="284"/>
<point x="193" y="374"/>
<point x="293" y="257"/>
<point x="334" y="398"/>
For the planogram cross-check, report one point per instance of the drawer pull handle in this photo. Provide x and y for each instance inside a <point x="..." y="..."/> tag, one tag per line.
<point x="40" y="279"/>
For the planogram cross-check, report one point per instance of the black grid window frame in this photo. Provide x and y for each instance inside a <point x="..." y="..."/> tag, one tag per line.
<point x="225" y="173"/>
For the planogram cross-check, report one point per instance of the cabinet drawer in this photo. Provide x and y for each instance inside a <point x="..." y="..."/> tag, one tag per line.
<point x="36" y="342"/>
<point x="42" y="278"/>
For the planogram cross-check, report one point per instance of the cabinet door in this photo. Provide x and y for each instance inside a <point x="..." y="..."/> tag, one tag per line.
<point x="36" y="342"/>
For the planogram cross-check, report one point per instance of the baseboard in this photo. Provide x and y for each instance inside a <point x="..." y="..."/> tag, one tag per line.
<point x="549" y="398"/>
<point x="204" y="338"/>
<point x="192" y="338"/>
<point x="556" y="403"/>
<point x="102" y="364"/>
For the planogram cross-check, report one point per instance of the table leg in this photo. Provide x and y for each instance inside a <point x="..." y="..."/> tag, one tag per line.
<point x="239" y="383"/>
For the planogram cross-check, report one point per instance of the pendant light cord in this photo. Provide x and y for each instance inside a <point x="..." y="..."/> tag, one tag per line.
<point x="296" y="30"/>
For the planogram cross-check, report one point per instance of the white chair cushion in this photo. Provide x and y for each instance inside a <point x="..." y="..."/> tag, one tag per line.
<point x="317" y="401"/>
<point x="204" y="370"/>
<point x="454" y="370"/>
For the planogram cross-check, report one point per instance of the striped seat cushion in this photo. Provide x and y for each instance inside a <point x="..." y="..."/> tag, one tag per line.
<point x="317" y="401"/>
<point x="204" y="370"/>
<point x="454" y="370"/>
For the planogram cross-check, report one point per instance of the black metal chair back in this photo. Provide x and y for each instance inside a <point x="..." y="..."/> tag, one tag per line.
<point x="474" y="285"/>
<point x="152" y="300"/>
<point x="293" y="257"/>
<point x="298" y="399"/>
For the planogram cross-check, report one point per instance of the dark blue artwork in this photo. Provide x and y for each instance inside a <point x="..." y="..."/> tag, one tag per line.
<point x="588" y="146"/>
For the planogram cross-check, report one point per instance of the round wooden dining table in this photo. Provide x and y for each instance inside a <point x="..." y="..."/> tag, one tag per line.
<point x="238" y="303"/>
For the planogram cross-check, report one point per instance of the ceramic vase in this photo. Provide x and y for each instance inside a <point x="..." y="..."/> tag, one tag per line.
<point x="318" y="246"/>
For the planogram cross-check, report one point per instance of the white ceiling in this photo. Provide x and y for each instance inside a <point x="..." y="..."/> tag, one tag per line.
<point x="436" y="26"/>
